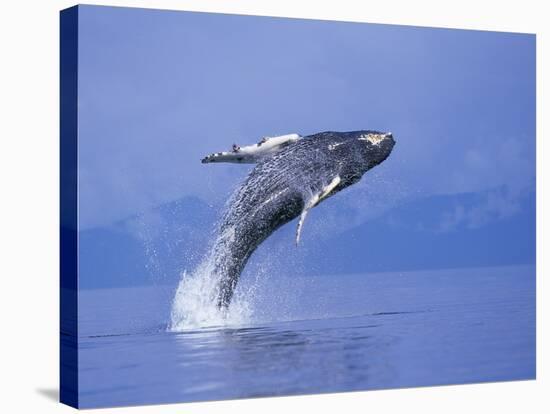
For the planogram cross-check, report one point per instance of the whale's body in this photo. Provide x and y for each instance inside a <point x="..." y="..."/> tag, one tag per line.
<point x="285" y="185"/>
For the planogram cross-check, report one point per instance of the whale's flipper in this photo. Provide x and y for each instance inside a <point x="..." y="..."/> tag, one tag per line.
<point x="251" y="154"/>
<point x="328" y="189"/>
<point x="300" y="224"/>
<point x="313" y="201"/>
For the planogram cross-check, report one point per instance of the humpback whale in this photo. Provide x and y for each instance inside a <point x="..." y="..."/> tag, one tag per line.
<point x="292" y="175"/>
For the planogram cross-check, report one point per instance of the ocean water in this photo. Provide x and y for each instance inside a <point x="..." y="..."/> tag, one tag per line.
<point x="304" y="335"/>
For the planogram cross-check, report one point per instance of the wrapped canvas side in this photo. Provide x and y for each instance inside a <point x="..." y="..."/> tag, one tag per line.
<point x="68" y="207"/>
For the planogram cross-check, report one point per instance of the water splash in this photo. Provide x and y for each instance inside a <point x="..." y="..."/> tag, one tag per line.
<point x="195" y="302"/>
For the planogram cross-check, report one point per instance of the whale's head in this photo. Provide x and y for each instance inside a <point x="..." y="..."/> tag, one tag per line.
<point x="373" y="146"/>
<point x="359" y="151"/>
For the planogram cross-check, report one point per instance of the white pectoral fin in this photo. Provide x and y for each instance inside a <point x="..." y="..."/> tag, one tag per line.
<point x="300" y="225"/>
<point x="252" y="154"/>
<point x="328" y="189"/>
<point x="312" y="202"/>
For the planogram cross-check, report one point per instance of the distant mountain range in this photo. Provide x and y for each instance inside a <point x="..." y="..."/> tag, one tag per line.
<point x="435" y="232"/>
<point x="153" y="247"/>
<point x="421" y="235"/>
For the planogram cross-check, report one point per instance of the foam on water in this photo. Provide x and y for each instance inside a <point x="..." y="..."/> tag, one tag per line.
<point x="195" y="305"/>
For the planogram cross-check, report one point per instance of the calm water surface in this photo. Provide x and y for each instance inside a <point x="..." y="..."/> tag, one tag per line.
<point x="311" y="335"/>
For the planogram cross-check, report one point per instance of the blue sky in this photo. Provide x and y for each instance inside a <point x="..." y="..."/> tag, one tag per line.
<point x="159" y="89"/>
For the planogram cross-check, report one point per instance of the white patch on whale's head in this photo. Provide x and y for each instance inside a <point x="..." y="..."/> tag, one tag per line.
<point x="375" y="138"/>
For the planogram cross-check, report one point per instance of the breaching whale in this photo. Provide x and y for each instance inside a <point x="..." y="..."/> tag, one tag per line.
<point x="292" y="175"/>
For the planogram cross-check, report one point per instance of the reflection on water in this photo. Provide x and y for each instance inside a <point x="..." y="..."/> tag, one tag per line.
<point x="279" y="360"/>
<point x="429" y="329"/>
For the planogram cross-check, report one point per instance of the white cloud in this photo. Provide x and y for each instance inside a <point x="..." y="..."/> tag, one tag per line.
<point x="495" y="205"/>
